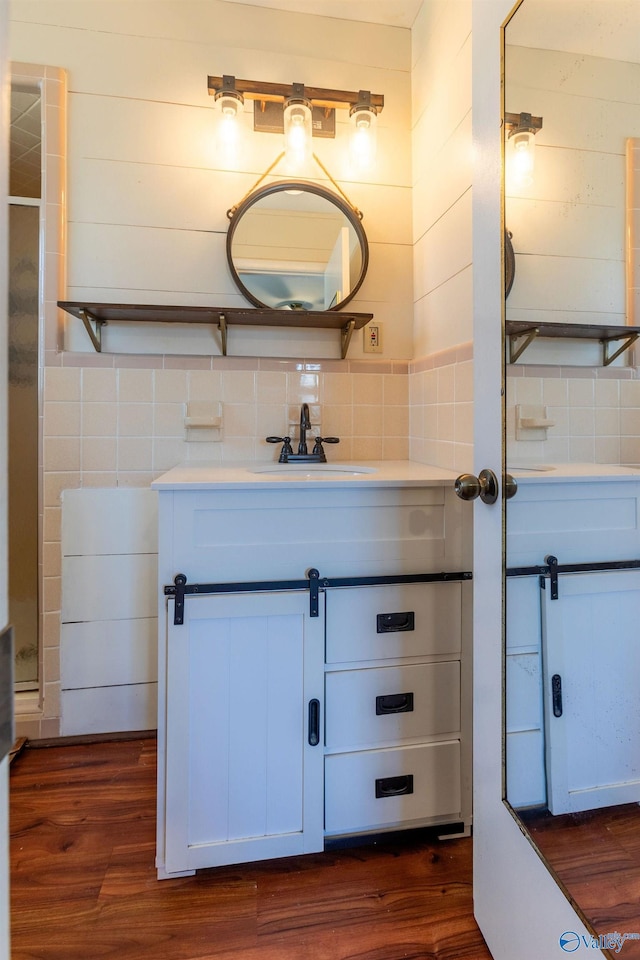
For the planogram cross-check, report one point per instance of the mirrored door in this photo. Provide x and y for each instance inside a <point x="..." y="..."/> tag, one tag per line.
<point x="572" y="122"/>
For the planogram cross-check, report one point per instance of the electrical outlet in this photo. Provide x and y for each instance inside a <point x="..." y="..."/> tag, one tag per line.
<point x="373" y="338"/>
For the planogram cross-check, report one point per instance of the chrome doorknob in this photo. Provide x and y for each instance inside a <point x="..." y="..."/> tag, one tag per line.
<point x="485" y="486"/>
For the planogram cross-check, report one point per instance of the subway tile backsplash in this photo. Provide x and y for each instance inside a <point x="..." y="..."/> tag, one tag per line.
<point x="595" y="413"/>
<point x="128" y="424"/>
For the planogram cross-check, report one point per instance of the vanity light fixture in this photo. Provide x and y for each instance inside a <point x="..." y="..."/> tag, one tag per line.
<point x="521" y="129"/>
<point x="302" y="112"/>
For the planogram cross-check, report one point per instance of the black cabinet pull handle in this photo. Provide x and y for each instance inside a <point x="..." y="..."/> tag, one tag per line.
<point x="556" y="694"/>
<point x="395" y="622"/>
<point x="394" y="786"/>
<point x="394" y="703"/>
<point x="314" y="723"/>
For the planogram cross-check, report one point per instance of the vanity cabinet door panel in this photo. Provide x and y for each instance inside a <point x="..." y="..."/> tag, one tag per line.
<point x="379" y="789"/>
<point x="391" y="621"/>
<point x="242" y="781"/>
<point x="590" y="642"/>
<point x="372" y="707"/>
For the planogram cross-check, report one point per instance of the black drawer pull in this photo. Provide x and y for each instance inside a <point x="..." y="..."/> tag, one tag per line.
<point x="394" y="786"/>
<point x="394" y="703"/>
<point x="395" y="622"/>
<point x="314" y="723"/>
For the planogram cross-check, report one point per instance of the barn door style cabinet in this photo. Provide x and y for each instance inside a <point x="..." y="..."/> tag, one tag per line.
<point x="314" y="678"/>
<point x="573" y="661"/>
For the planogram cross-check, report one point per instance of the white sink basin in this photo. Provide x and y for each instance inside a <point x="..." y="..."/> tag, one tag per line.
<point x="314" y="470"/>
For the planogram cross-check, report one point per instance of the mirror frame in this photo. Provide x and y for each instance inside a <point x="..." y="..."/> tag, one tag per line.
<point x="236" y="213"/>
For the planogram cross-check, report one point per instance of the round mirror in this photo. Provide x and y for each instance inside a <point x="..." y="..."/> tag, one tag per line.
<point x="294" y="245"/>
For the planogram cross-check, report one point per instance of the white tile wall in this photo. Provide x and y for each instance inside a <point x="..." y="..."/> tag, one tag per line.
<point x="441" y="409"/>
<point x="596" y="413"/>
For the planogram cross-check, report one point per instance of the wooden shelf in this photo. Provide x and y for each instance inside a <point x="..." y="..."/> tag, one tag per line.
<point x="521" y="333"/>
<point x="95" y="316"/>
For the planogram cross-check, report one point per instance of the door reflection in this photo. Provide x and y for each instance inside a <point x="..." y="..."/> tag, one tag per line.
<point x="573" y="663"/>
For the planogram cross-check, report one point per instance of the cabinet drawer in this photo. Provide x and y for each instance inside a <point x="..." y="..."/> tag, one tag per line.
<point x="396" y="620"/>
<point x="390" y="704"/>
<point x="382" y="788"/>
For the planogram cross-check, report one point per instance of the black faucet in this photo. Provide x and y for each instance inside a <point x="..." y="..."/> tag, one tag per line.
<point x="305" y="424"/>
<point x="303" y="456"/>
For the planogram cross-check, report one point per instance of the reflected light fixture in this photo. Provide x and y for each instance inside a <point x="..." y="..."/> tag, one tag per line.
<point x="521" y="130"/>
<point x="364" y="122"/>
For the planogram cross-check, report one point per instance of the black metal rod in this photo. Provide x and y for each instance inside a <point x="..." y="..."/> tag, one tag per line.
<point x="543" y="569"/>
<point x="396" y="578"/>
<point x="180" y="588"/>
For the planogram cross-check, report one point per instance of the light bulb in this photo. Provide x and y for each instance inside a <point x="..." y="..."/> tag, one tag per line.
<point x="364" y="124"/>
<point x="522" y="158"/>
<point x="362" y="147"/>
<point x="229" y="105"/>
<point x="228" y="132"/>
<point x="297" y="132"/>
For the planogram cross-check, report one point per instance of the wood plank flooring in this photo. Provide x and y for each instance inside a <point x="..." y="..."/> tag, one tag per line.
<point x="84" y="885"/>
<point x="596" y="856"/>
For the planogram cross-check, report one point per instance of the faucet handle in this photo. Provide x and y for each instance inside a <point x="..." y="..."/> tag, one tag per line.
<point x="317" y="449"/>
<point x="286" y="447"/>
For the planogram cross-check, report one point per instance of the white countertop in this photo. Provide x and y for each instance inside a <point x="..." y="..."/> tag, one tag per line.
<point x="374" y="473"/>
<point x="371" y="473"/>
<point x="539" y="471"/>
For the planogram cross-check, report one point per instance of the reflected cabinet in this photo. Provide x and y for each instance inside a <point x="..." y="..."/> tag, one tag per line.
<point x="573" y="661"/>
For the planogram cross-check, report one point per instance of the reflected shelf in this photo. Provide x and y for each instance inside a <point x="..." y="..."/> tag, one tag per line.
<point x="522" y="333"/>
<point x="95" y="316"/>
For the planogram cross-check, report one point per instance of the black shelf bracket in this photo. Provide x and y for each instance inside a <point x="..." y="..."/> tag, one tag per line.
<point x="527" y="338"/>
<point x="95" y="336"/>
<point x="345" y="338"/>
<point x="607" y="357"/>
<point x="222" y="327"/>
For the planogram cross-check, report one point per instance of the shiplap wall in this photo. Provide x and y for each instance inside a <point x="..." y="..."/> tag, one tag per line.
<point x="568" y="225"/>
<point x="441" y="378"/>
<point x="148" y="192"/>
<point x="441" y="130"/>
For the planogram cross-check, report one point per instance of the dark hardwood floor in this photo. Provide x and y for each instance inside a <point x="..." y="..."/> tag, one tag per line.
<point x="84" y="885"/>
<point x="596" y="856"/>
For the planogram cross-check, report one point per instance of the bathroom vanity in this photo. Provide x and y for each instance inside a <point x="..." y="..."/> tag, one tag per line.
<point x="314" y="658"/>
<point x="573" y="661"/>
